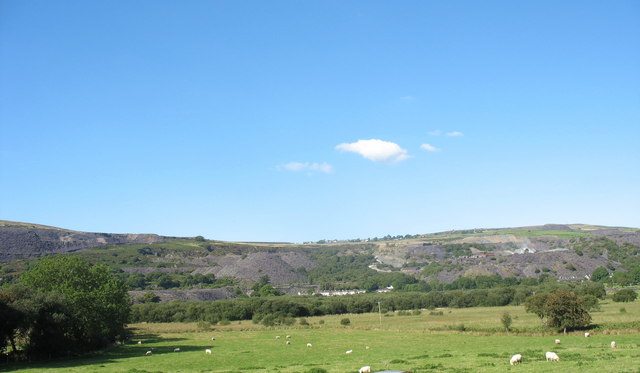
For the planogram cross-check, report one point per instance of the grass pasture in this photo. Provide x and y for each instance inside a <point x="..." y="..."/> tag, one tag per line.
<point x="419" y="343"/>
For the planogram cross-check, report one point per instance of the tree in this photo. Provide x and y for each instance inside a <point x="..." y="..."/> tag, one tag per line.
<point x="600" y="274"/>
<point x="505" y="319"/>
<point x="535" y="304"/>
<point x="10" y="320"/>
<point x="565" y="310"/>
<point x="97" y="303"/>
<point x="595" y="289"/>
<point x="625" y="295"/>
<point x="621" y="278"/>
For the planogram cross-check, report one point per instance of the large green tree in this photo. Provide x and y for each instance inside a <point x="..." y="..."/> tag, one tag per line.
<point x="98" y="302"/>
<point x="565" y="310"/>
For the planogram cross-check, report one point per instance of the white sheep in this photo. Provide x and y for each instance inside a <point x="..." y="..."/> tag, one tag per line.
<point x="149" y="353"/>
<point x="557" y="341"/>
<point x="207" y="351"/>
<point x="366" y="348"/>
<point x="288" y="337"/>
<point x="213" y="338"/>
<point x="139" y="342"/>
<point x="366" y="369"/>
<point x="614" y="344"/>
<point x="348" y="352"/>
<point x="309" y="345"/>
<point x="176" y="349"/>
<point x="552" y="356"/>
<point x="277" y="337"/>
<point x="515" y="359"/>
<point x="288" y="342"/>
<point x="586" y="335"/>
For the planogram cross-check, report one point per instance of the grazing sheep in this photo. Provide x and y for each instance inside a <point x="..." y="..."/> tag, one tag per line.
<point x="366" y="348"/>
<point x="288" y="337"/>
<point x="309" y="345"/>
<point x="366" y="369"/>
<point x="277" y="337"/>
<point x="288" y="342"/>
<point x="552" y="356"/>
<point x="149" y="353"/>
<point x="213" y="338"/>
<point x="515" y="359"/>
<point x="207" y="351"/>
<point x="176" y="349"/>
<point x="586" y="335"/>
<point x="139" y="342"/>
<point x="557" y="341"/>
<point x="348" y="352"/>
<point x="614" y="344"/>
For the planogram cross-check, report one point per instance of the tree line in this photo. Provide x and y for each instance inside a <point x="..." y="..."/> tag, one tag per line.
<point x="282" y="308"/>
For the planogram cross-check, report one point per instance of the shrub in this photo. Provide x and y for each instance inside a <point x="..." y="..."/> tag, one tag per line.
<point x="625" y="295"/>
<point x="303" y="322"/>
<point x="505" y="319"/>
<point x="149" y="297"/>
<point x="345" y="322"/>
<point x="203" y="326"/>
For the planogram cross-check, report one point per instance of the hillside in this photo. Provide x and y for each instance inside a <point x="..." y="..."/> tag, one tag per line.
<point x="22" y="240"/>
<point x="195" y="268"/>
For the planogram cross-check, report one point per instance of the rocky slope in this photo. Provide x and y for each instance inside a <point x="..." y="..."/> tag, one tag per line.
<point x="21" y="240"/>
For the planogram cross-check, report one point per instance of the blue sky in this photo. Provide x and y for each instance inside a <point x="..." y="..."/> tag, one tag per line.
<point x="307" y="120"/>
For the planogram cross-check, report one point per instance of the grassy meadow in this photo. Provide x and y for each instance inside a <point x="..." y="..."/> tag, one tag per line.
<point x="424" y="342"/>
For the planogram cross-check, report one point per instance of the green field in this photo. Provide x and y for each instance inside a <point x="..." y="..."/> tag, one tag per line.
<point x="419" y="343"/>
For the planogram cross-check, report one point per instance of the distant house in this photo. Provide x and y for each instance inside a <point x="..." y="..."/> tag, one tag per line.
<point x="385" y="290"/>
<point x="331" y="293"/>
<point x="524" y="250"/>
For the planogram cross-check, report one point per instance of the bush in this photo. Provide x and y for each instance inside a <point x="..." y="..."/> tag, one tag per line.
<point x="203" y="326"/>
<point x="625" y="295"/>
<point x="149" y="297"/>
<point x="345" y="322"/>
<point x="505" y="319"/>
<point x="303" y="322"/>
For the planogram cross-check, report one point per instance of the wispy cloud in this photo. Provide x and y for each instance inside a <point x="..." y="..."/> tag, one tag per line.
<point x="306" y="166"/>
<point x="435" y="133"/>
<point x="454" y="134"/>
<point x="407" y="98"/>
<point x="376" y="150"/>
<point x="429" y="148"/>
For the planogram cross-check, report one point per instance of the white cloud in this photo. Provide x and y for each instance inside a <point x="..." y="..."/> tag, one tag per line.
<point x="406" y="98"/>
<point x="306" y="166"/>
<point x="429" y="148"/>
<point x="435" y="133"/>
<point x="376" y="150"/>
<point x="454" y="134"/>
